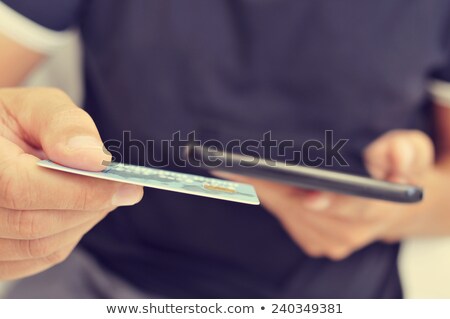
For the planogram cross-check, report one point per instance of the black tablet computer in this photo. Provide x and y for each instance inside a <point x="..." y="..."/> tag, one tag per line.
<point x="301" y="176"/>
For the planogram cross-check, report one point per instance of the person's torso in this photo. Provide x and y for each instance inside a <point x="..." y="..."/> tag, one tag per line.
<point x="235" y="69"/>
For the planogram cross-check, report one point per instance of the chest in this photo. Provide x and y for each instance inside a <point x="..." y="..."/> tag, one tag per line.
<point x="244" y="66"/>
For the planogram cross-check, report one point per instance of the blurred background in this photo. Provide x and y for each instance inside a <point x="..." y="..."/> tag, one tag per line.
<point x="424" y="263"/>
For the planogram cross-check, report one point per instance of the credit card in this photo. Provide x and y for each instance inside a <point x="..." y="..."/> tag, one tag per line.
<point x="169" y="181"/>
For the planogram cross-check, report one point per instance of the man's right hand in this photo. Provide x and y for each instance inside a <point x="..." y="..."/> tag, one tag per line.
<point x="45" y="213"/>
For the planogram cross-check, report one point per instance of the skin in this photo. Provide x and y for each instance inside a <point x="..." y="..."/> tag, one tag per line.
<point x="334" y="226"/>
<point x="44" y="214"/>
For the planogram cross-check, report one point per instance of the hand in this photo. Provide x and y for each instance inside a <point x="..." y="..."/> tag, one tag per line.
<point x="333" y="225"/>
<point x="44" y="213"/>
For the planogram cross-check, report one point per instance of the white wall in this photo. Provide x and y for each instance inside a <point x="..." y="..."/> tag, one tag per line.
<point x="425" y="268"/>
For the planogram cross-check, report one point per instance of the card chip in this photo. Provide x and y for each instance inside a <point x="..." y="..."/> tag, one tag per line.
<point x="218" y="188"/>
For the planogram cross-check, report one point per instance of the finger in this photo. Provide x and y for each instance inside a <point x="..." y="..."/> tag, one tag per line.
<point x="34" y="224"/>
<point x="271" y="192"/>
<point x="11" y="270"/>
<point x="26" y="186"/>
<point x="402" y="155"/>
<point x="50" y="120"/>
<point x="317" y="201"/>
<point x="424" y="151"/>
<point x="11" y="250"/>
<point x="391" y="155"/>
<point x="399" y="156"/>
<point x="341" y="237"/>
<point x="347" y="207"/>
<point x="376" y="158"/>
<point x="276" y="197"/>
<point x="11" y="131"/>
<point x="305" y="236"/>
<point x="412" y="154"/>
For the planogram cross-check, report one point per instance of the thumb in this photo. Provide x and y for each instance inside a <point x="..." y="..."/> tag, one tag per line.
<point x="399" y="156"/>
<point x="50" y="120"/>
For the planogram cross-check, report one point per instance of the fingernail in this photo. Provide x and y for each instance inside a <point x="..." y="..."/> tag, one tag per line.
<point x="84" y="142"/>
<point x="319" y="204"/>
<point x="127" y="195"/>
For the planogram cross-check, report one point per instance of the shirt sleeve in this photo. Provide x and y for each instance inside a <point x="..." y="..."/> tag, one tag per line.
<point x="40" y="25"/>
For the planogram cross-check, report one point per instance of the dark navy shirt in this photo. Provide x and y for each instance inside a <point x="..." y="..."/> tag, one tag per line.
<point x="235" y="69"/>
